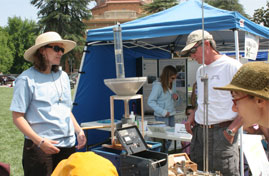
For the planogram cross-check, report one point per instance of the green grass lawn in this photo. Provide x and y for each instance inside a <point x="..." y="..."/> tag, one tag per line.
<point x="11" y="139"/>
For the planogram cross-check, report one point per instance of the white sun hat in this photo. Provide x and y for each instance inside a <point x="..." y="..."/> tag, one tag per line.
<point x="45" y="39"/>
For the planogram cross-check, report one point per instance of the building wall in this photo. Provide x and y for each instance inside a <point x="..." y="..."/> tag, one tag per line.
<point x="109" y="12"/>
<point x="117" y="6"/>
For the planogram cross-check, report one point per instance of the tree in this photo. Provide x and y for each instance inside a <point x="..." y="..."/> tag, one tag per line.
<point x="22" y="35"/>
<point x="65" y="17"/>
<point x="159" y="5"/>
<point x="231" y="5"/>
<point x="6" y="58"/>
<point x="261" y="16"/>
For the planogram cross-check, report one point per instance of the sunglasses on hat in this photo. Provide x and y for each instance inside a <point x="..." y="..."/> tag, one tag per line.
<point x="55" y="48"/>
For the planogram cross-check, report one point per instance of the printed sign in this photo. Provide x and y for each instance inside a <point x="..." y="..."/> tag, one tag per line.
<point x="251" y="46"/>
<point x="255" y="154"/>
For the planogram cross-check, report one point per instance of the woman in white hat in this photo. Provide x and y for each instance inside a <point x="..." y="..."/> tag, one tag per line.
<point x="41" y="107"/>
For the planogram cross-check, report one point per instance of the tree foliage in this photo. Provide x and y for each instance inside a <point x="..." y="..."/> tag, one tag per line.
<point x="22" y="35"/>
<point x="261" y="16"/>
<point x="159" y="5"/>
<point x="6" y="58"/>
<point x="231" y="5"/>
<point x="65" y="17"/>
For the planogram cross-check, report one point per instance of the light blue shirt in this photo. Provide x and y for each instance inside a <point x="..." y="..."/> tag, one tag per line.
<point x="162" y="102"/>
<point x="37" y="96"/>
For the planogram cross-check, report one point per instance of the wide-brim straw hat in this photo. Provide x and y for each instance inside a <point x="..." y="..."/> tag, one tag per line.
<point x="193" y="38"/>
<point x="45" y="39"/>
<point x="252" y="78"/>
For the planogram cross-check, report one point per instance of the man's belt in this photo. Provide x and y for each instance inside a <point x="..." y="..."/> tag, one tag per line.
<point x="218" y="125"/>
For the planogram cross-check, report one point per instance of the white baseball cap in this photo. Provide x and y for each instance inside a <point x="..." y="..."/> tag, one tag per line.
<point x="193" y="38"/>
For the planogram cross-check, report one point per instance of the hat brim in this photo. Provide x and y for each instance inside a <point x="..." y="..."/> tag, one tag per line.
<point x="187" y="48"/>
<point x="231" y="87"/>
<point x="68" y="45"/>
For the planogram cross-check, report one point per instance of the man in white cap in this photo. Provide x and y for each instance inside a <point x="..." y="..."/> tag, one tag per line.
<point x="41" y="107"/>
<point x="223" y="123"/>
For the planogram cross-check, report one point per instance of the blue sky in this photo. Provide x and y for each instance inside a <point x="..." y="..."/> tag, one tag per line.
<point x="23" y="9"/>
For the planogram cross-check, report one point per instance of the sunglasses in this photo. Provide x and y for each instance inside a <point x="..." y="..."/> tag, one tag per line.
<point x="237" y="99"/>
<point x="55" y="48"/>
<point x="194" y="49"/>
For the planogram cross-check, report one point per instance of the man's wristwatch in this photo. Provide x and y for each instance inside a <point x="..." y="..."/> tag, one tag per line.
<point x="230" y="132"/>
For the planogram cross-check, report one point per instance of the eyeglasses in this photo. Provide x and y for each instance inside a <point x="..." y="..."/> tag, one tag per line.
<point x="237" y="99"/>
<point x="194" y="49"/>
<point x="55" y="48"/>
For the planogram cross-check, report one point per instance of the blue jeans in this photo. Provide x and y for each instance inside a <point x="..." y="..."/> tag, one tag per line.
<point x="169" y="121"/>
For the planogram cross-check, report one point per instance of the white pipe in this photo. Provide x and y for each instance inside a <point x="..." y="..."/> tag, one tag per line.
<point x="241" y="152"/>
<point x="205" y="80"/>
<point x="236" y="44"/>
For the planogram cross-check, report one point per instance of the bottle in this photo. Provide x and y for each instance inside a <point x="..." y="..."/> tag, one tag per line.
<point x="132" y="116"/>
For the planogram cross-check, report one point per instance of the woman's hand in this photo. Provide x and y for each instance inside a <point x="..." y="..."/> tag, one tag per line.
<point x="175" y="97"/>
<point x="81" y="138"/>
<point x="48" y="147"/>
<point x="167" y="114"/>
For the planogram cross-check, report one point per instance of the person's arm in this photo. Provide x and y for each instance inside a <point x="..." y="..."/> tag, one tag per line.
<point x="152" y="101"/>
<point x="174" y="94"/>
<point x="190" y="122"/>
<point x="45" y="144"/>
<point x="234" y="126"/>
<point x="193" y="95"/>
<point x="79" y="132"/>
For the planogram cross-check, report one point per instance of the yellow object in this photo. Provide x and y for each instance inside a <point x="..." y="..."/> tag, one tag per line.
<point x="85" y="164"/>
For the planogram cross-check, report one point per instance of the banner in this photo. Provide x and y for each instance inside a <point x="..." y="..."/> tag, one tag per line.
<point x="251" y="46"/>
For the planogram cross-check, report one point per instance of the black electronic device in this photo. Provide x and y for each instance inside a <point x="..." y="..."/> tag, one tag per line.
<point x="138" y="160"/>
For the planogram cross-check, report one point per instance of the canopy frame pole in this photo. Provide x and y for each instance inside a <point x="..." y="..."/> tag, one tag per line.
<point x="80" y="70"/>
<point x="236" y="44"/>
<point x="204" y="79"/>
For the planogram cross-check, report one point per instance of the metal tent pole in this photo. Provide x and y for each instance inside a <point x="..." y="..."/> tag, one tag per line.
<point x="80" y="69"/>
<point x="236" y="43"/>
<point x="205" y="80"/>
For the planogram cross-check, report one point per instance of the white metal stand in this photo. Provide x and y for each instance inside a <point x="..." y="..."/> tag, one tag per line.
<point x="126" y="111"/>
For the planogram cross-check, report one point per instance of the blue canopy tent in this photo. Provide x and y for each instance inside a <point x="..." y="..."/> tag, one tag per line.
<point x="261" y="55"/>
<point x="155" y="36"/>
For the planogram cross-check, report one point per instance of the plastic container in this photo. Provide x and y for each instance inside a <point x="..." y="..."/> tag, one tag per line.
<point x="132" y="116"/>
<point x="114" y="155"/>
<point x="154" y="146"/>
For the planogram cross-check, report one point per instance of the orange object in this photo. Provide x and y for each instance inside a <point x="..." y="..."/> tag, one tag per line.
<point x="85" y="163"/>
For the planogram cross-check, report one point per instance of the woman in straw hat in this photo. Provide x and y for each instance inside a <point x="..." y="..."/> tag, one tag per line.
<point x="41" y="107"/>
<point x="250" y="91"/>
